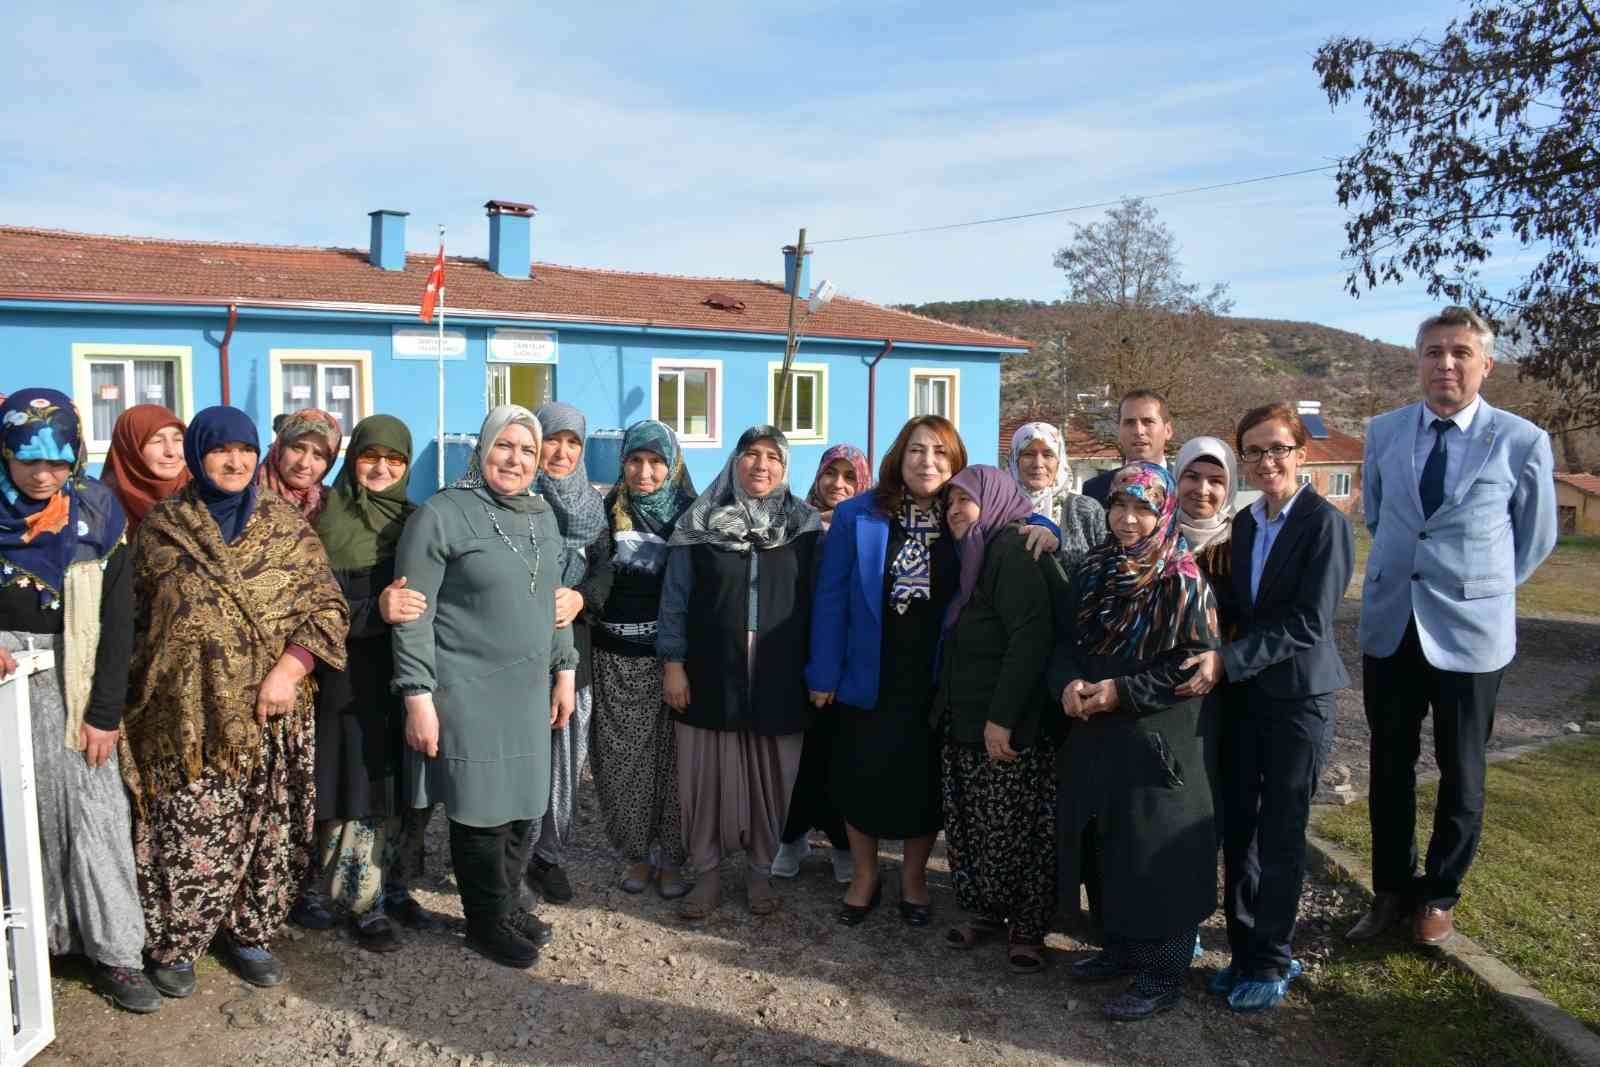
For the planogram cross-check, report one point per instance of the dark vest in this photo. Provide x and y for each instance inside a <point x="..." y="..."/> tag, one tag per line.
<point x="725" y="693"/>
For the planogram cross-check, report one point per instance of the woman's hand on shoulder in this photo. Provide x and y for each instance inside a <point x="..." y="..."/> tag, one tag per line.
<point x="820" y="700"/>
<point x="674" y="686"/>
<point x="397" y="604"/>
<point x="422" y="724"/>
<point x="1038" y="539"/>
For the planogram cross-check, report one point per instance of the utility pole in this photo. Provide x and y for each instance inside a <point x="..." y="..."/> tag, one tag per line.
<point x="793" y="340"/>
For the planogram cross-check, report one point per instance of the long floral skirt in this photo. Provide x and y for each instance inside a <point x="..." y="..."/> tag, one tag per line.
<point x="356" y="855"/>
<point x="1000" y="835"/>
<point x="228" y="854"/>
<point x="635" y="760"/>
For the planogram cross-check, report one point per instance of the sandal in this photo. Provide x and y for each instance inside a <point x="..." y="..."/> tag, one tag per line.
<point x="1025" y="959"/>
<point x="763" y="898"/>
<point x="703" y="899"/>
<point x="971" y="935"/>
<point x="671" y="884"/>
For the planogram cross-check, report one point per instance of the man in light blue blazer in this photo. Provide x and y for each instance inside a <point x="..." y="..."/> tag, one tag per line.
<point x="1460" y="499"/>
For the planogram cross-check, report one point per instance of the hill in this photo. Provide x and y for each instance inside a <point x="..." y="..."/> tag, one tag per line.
<point x="1354" y="377"/>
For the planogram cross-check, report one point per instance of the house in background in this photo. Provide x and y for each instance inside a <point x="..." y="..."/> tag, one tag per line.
<point x="1578" y="504"/>
<point x="1333" y="460"/>
<point x="115" y="321"/>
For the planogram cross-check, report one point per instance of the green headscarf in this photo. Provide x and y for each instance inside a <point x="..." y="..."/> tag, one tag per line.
<point x="360" y="527"/>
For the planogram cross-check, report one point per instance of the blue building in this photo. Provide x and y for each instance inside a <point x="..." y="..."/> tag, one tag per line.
<point x="116" y="321"/>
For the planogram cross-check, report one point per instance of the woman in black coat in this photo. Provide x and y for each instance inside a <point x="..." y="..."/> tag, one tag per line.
<point x="1133" y="761"/>
<point x="1291" y="563"/>
<point x="735" y="614"/>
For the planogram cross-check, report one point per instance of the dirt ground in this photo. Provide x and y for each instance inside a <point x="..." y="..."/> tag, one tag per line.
<point x="627" y="982"/>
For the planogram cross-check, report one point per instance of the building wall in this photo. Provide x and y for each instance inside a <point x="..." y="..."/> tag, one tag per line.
<point x="608" y="373"/>
<point x="1578" y="512"/>
<point x="1323" y="476"/>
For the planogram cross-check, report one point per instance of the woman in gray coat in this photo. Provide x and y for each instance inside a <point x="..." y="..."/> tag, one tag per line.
<point x="474" y="670"/>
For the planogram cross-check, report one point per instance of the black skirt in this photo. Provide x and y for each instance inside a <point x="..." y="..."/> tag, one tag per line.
<point x="885" y="767"/>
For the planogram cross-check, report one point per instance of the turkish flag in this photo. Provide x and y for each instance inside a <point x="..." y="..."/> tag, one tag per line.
<point x="435" y="290"/>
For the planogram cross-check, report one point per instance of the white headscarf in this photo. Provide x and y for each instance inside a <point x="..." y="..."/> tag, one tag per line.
<point x="1202" y="532"/>
<point x="1044" y="500"/>
<point x="494" y="424"/>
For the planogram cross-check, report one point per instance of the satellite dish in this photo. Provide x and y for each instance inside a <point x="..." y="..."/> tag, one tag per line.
<point x="822" y="294"/>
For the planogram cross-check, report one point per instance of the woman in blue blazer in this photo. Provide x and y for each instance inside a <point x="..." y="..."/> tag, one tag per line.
<point x="1291" y="563"/>
<point x="888" y="571"/>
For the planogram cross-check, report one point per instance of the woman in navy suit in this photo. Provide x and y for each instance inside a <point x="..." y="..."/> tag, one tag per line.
<point x="1291" y="563"/>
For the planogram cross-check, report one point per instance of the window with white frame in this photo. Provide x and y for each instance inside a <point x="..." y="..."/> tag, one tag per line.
<point x="1339" y="483"/>
<point x="805" y="410"/>
<point x="936" y="392"/>
<point x="687" y="396"/>
<point x="110" y="379"/>
<point x="338" y="382"/>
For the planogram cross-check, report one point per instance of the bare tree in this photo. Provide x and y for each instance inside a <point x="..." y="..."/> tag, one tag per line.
<point x="1140" y="324"/>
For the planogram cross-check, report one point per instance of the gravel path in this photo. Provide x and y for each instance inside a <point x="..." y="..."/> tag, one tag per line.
<point x="626" y="982"/>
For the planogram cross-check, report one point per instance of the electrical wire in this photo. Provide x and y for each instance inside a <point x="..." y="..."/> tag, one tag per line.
<point x="1076" y="207"/>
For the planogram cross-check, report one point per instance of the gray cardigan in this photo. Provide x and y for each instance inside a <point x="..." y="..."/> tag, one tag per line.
<point x="485" y="649"/>
<point x="1083" y="526"/>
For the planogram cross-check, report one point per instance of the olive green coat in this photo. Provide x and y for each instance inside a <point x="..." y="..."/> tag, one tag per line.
<point x="485" y="649"/>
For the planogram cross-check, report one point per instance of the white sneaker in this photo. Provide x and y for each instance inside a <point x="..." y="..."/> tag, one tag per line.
<point x="844" y="868"/>
<point x="786" y="864"/>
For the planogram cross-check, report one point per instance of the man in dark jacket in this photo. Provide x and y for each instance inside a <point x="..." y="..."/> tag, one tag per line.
<point x="1143" y="428"/>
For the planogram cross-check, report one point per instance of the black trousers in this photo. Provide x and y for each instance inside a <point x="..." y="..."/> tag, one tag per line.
<point x="489" y="861"/>
<point x="811" y="803"/>
<point x="1271" y="755"/>
<point x="1399" y="691"/>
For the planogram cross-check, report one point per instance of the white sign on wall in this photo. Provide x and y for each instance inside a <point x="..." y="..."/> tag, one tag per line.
<point x="516" y="345"/>
<point x="419" y="342"/>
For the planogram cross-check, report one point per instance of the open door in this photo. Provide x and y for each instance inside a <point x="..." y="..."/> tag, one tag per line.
<point x="527" y="384"/>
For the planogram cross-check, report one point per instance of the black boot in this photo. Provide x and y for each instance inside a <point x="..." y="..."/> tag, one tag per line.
<point x="500" y="942"/>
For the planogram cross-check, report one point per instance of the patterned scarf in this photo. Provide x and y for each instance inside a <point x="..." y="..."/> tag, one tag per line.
<point x="211" y="428"/>
<point x="1046" y="501"/>
<point x="727" y="517"/>
<point x="911" y="570"/>
<point x="641" y="523"/>
<point x="1148" y="597"/>
<point x="306" y="421"/>
<point x="40" y="539"/>
<point x="580" y="511"/>
<point x="858" y="463"/>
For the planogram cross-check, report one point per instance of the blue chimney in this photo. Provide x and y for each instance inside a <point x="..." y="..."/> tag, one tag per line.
<point x="510" y="254"/>
<point x="387" y="248"/>
<point x="789" y="255"/>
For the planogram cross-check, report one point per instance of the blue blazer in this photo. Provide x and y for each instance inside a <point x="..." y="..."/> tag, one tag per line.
<point x="847" y="608"/>
<point x="1286" y="645"/>
<point x="1456" y="571"/>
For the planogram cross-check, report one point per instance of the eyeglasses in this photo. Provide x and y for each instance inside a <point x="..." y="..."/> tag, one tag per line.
<point x="1255" y="455"/>
<point x="376" y="458"/>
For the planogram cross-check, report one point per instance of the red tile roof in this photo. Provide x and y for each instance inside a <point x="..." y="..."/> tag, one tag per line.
<point x="54" y="264"/>
<point x="1583" y="483"/>
<point x="1337" y="447"/>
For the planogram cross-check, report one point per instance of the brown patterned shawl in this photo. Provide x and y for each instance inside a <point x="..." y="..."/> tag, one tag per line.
<point x="210" y="620"/>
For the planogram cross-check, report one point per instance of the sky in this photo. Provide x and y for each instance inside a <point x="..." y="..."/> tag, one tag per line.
<point x="698" y="138"/>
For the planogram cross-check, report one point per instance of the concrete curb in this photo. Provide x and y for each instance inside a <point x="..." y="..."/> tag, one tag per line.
<point x="1580" y="1043"/>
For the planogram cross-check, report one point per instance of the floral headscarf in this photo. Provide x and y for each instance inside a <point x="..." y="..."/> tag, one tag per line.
<point x="307" y="421"/>
<point x="40" y="539"/>
<point x="1044" y="500"/>
<point x="1142" y="599"/>
<point x="858" y="463"/>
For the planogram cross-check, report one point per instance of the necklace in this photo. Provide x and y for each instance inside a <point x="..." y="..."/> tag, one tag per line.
<point x="533" y="572"/>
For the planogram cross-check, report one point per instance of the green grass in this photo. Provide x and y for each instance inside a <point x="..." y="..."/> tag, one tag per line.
<point x="1400" y="1007"/>
<point x="1567" y="583"/>
<point x="1531" y="898"/>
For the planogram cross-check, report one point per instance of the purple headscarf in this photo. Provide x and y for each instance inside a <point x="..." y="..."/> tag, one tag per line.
<point x="1001" y="502"/>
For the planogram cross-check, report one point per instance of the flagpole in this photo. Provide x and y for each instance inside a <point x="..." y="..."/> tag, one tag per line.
<point x="441" y="368"/>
